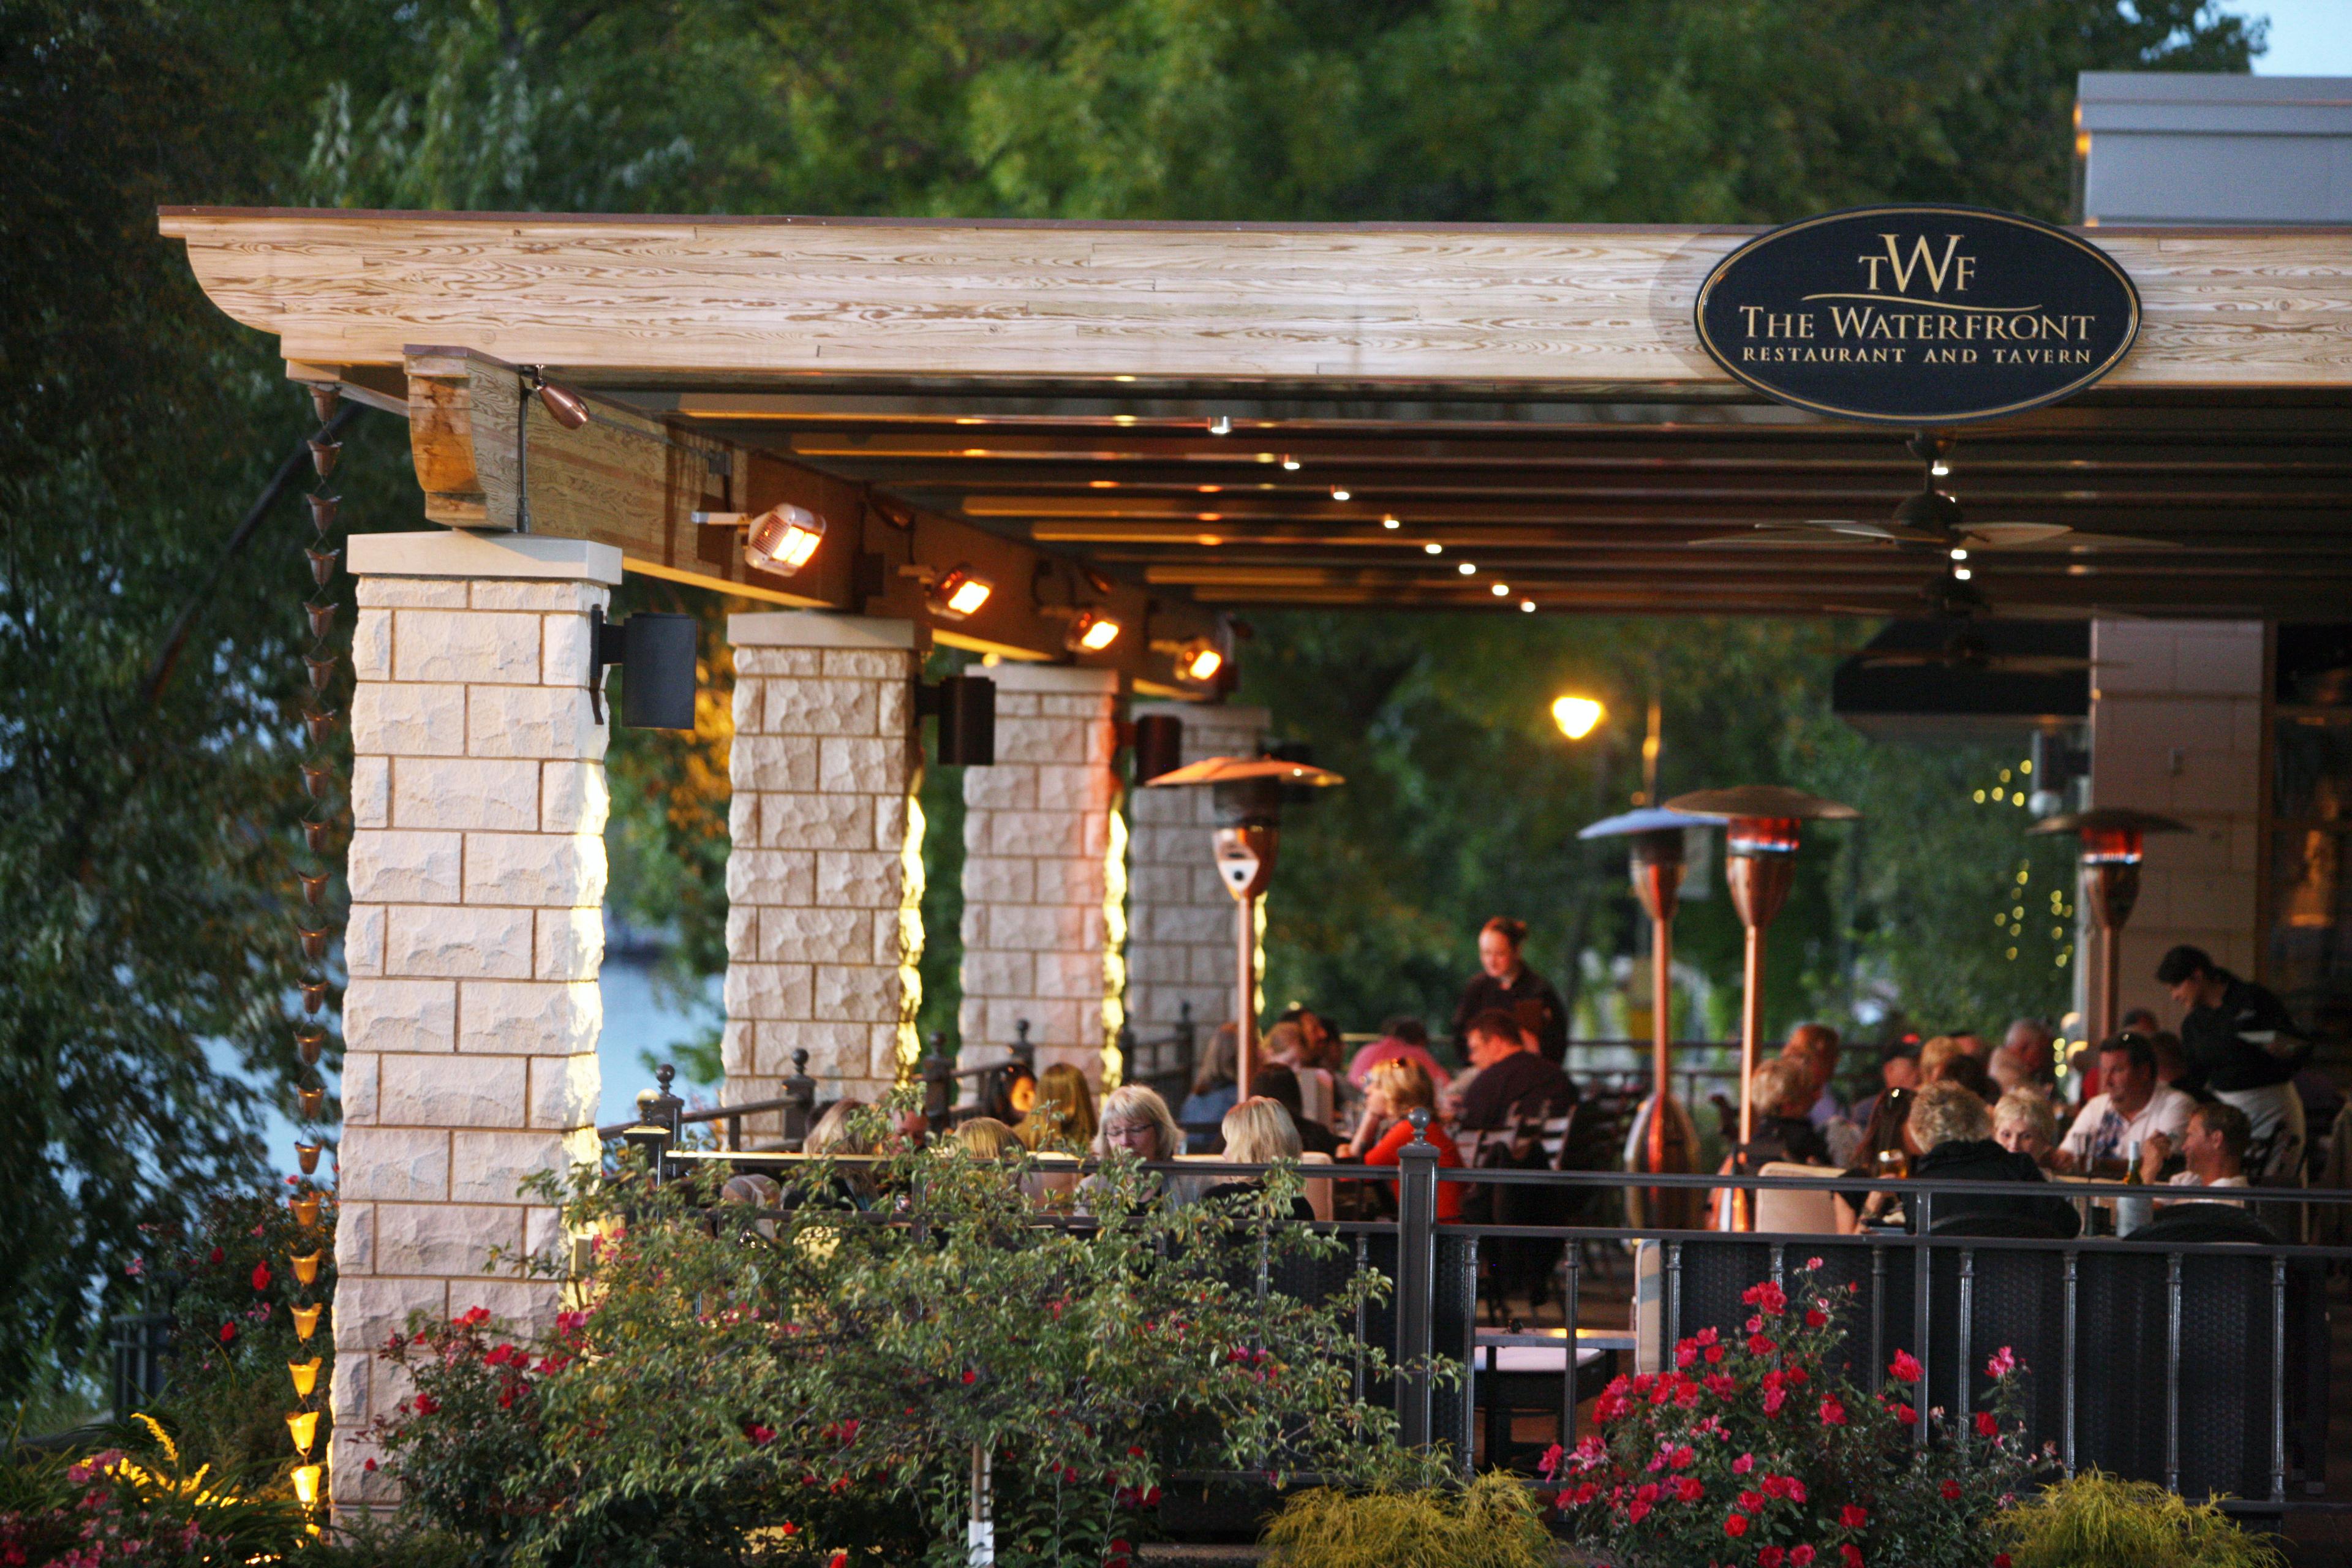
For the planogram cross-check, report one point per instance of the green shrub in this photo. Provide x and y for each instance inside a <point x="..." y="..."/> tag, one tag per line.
<point x="1493" y="1523"/>
<point x="815" y="1380"/>
<point x="2097" y="1521"/>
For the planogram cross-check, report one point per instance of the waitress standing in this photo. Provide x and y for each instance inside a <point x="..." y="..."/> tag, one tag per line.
<point x="1507" y="986"/>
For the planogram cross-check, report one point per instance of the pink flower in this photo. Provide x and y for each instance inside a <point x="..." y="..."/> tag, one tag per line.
<point x="1773" y="1399"/>
<point x="1718" y="1384"/>
<point x="2003" y="1363"/>
<point x="1734" y="1524"/>
<point x="1549" y="1465"/>
<point x="1812" y="1264"/>
<point x="760" y="1437"/>
<point x="1986" y="1426"/>
<point x="1853" y="1518"/>
<point x="1742" y="1464"/>
<point x="1680" y="1457"/>
<point x="1904" y="1367"/>
<point x="1833" y="1413"/>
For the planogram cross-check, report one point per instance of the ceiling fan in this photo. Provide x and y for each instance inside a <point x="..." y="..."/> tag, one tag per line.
<point x="1930" y="520"/>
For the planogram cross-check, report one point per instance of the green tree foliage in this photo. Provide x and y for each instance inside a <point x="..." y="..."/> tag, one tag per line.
<point x="145" y="845"/>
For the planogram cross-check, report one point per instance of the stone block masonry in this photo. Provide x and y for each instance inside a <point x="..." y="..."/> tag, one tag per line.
<point x="1181" y="917"/>
<point x="824" y="879"/>
<point x="1041" y="830"/>
<point x="476" y="875"/>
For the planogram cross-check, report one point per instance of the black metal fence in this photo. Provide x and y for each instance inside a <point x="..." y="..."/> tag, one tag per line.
<point x="2201" y="1364"/>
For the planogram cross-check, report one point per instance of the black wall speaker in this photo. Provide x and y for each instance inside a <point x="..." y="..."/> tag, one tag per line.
<point x="1159" y="746"/>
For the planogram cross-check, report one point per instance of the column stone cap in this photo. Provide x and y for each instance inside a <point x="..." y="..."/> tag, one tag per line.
<point x="1208" y="715"/>
<point x="455" y="552"/>
<point x="1011" y="676"/>
<point x="816" y="628"/>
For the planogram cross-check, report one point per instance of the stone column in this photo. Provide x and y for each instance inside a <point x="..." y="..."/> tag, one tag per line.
<point x="2177" y="727"/>
<point x="824" y="883"/>
<point x="1181" y="918"/>
<point x="1044" y="860"/>
<point x="477" y="927"/>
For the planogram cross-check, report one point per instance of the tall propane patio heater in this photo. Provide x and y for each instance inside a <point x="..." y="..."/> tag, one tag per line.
<point x="1248" y="797"/>
<point x="1663" y="1140"/>
<point x="1760" y="866"/>
<point x="2112" y="838"/>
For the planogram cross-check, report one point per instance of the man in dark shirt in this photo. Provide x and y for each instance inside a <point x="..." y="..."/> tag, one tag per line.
<point x="1511" y="1072"/>
<point x="2243" y="1049"/>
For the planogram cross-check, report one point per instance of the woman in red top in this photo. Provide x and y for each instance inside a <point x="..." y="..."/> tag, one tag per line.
<point x="1394" y="1089"/>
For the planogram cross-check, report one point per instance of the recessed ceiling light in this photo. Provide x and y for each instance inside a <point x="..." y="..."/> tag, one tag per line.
<point x="1502" y="590"/>
<point x="1432" y="550"/>
<point x="1387" y="522"/>
<point x="1290" y="462"/>
<point x="1221" y="425"/>
<point x="1468" y="569"/>
<point x="1338" y="494"/>
<point x="1527" y="606"/>
<point x="1102" y="484"/>
<point x="1962" y="573"/>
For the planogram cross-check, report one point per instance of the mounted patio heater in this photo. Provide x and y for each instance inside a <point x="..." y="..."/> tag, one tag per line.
<point x="1248" y="799"/>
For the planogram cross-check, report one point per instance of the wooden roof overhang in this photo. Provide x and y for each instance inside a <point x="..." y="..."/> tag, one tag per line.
<point x="1041" y="398"/>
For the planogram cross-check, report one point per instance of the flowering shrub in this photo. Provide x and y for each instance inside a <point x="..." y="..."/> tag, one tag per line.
<point x="814" y="1383"/>
<point x="145" y="1510"/>
<point x="1744" y="1453"/>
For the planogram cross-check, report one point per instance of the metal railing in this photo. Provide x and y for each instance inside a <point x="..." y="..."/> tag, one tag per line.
<point x="2234" y="1332"/>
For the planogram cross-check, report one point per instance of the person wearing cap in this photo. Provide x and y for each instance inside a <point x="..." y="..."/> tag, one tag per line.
<point x="1504" y="984"/>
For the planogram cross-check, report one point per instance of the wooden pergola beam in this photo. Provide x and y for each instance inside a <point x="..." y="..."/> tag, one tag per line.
<point x="635" y="482"/>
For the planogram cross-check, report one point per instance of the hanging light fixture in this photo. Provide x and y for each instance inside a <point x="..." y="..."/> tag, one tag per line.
<point x="782" y="539"/>
<point x="305" y="1322"/>
<point x="305" y="1374"/>
<point x="955" y="595"/>
<point x="303" y="1427"/>
<point x="1198" y="660"/>
<point x="1091" y="631"/>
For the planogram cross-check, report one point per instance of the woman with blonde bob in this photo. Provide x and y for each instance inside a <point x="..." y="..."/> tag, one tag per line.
<point x="2024" y="1122"/>
<point x="1136" y="1121"/>
<point x="1258" y="1131"/>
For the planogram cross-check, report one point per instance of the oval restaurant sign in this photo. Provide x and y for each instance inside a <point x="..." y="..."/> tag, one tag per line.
<point x="1923" y="315"/>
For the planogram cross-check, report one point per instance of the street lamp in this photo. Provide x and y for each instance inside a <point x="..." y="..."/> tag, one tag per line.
<point x="1663" y="1140"/>
<point x="1577" y="716"/>
<point x="1247" y="796"/>
<point x="1760" y="866"/>
<point x="2112" y="836"/>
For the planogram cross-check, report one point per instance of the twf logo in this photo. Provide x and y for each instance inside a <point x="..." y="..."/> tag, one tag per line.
<point x="1923" y="262"/>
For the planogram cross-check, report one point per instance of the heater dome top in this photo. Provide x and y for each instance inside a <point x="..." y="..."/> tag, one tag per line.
<point x="1240" y="770"/>
<point x="2109" y="819"/>
<point x="1762" y="800"/>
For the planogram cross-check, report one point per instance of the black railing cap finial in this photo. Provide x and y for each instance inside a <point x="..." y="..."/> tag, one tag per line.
<point x="1419" y="1117"/>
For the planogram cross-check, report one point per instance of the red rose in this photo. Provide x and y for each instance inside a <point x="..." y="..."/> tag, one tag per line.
<point x="1986" y="1426"/>
<point x="840" y="1560"/>
<point x="261" y="1277"/>
<point x="1773" y="1399"/>
<point x="1646" y="1492"/>
<point x="1815" y="1317"/>
<point x="1833" y="1413"/>
<point x="1687" y="1489"/>
<point x="2001" y="1560"/>
<point x="1770" y="1557"/>
<point x="1905" y="1368"/>
<point x="1734" y="1524"/>
<point x="1742" y="1464"/>
<point x="1800" y="1557"/>
<point x="1853" y="1518"/>
<point x="970" y="1377"/>
<point x="1715" y="1355"/>
<point x="369" y="1467"/>
<point x="1907" y="1416"/>
<point x="218" y="1256"/>
<point x="1752" y="1502"/>
<point x="1637" y="1512"/>
<point x="1758" y="1344"/>
<point x="427" y="1405"/>
<point x="1852" y="1553"/>
<point x="1951" y="1491"/>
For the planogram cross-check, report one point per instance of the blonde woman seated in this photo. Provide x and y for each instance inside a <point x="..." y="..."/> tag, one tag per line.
<point x="1063" y="1119"/>
<point x="987" y="1137"/>
<point x="1136" y="1122"/>
<point x="1393" y="1092"/>
<point x="2024" y="1122"/>
<point x="1258" y="1131"/>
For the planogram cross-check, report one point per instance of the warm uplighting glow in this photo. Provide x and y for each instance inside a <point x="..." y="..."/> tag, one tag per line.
<point x="2112" y="846"/>
<point x="958" y="594"/>
<point x="1576" y="716"/>
<point x="1199" y="660"/>
<point x="782" y="539"/>
<point x="306" y="1483"/>
<point x="1091" y="631"/>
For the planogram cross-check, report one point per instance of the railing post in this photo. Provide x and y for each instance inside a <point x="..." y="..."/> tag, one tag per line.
<point x="1184" y="1035"/>
<point x="1024" y="1050"/>
<point x="658" y="1124"/>
<point x="939" y="1083"/>
<point x="1922" y="1206"/>
<point x="1416" y="1280"/>
<point x="800" y="1098"/>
